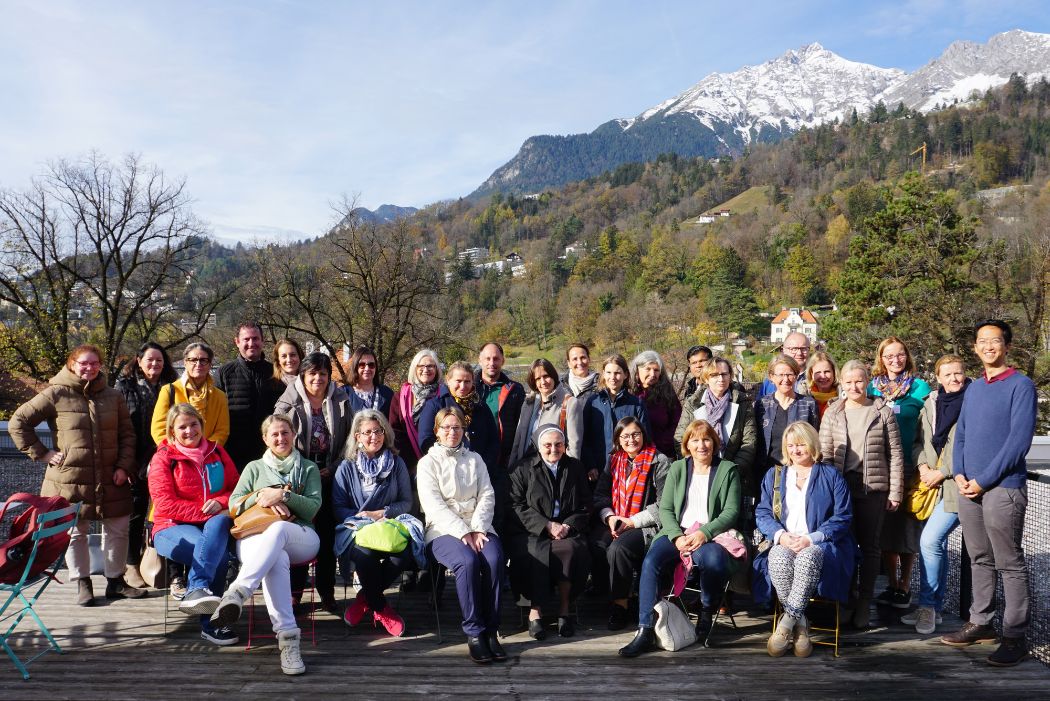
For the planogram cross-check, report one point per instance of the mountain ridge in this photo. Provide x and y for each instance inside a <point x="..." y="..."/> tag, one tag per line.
<point x="724" y="113"/>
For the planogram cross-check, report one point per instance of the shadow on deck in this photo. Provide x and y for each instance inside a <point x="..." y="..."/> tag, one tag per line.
<point x="117" y="650"/>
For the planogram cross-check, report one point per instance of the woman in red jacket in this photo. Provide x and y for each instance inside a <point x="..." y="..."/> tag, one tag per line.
<point x="190" y="482"/>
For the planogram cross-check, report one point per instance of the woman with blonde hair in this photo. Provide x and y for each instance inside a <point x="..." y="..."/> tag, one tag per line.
<point x="894" y="381"/>
<point x="805" y="513"/>
<point x="287" y="355"/>
<point x="822" y="380"/>
<point x="423" y="382"/>
<point x="290" y="485"/>
<point x="859" y="436"/>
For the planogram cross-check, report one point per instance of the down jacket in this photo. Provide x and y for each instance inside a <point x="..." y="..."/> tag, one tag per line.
<point x="251" y="391"/>
<point x="455" y="492"/>
<point x="92" y="427"/>
<point x="883" y="465"/>
<point x="179" y="487"/>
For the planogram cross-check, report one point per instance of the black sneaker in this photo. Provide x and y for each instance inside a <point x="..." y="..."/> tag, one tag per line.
<point x="617" y="618"/>
<point x="886" y="597"/>
<point x="199" y="602"/>
<point x="1010" y="652"/>
<point x="969" y="634"/>
<point x="222" y="637"/>
<point x="901" y="599"/>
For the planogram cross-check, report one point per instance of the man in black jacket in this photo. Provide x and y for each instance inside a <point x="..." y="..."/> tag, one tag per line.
<point x="251" y="392"/>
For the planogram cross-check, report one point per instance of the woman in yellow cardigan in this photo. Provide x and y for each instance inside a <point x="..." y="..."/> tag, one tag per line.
<point x="197" y="388"/>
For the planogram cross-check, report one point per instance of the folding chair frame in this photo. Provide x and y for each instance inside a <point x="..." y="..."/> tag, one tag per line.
<point x="17" y="590"/>
<point x="778" y="610"/>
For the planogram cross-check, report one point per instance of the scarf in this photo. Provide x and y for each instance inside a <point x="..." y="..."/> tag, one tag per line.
<point x="466" y="404"/>
<point x="288" y="380"/>
<point x="948" y="405"/>
<point x="370" y="399"/>
<point x="823" y="397"/>
<point x="628" y="485"/>
<point x="581" y="385"/>
<point x="893" y="389"/>
<point x="284" y="466"/>
<point x="374" y="470"/>
<point x="197" y="396"/>
<point x="716" y="409"/>
<point x="420" y="394"/>
<point x="195" y="455"/>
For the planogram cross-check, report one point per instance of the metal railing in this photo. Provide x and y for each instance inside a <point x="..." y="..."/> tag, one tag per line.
<point x="1036" y="544"/>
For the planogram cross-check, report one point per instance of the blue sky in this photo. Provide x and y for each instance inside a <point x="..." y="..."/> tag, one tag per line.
<point x="272" y="110"/>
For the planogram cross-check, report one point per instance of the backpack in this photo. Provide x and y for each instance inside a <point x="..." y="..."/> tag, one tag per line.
<point x="19" y="545"/>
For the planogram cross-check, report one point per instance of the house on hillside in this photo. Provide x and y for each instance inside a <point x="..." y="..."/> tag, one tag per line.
<point x="706" y="219"/>
<point x="791" y="320"/>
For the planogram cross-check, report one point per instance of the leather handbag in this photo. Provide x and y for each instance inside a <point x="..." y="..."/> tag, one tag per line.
<point x="673" y="629"/>
<point x="256" y="519"/>
<point x="154" y="568"/>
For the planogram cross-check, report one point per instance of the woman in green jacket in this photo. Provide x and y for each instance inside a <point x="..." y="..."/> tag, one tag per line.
<point x="699" y="505"/>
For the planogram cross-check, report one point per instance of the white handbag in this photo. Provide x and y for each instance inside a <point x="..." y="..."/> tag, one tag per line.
<point x="673" y="629"/>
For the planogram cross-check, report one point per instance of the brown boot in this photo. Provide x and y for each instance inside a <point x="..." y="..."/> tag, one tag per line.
<point x="85" y="595"/>
<point x="117" y="588"/>
<point x="134" y="578"/>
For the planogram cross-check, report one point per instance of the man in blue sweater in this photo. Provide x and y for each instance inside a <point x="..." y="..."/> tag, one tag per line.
<point x="993" y="435"/>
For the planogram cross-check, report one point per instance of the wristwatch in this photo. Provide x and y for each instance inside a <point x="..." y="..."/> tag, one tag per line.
<point x="284" y="497"/>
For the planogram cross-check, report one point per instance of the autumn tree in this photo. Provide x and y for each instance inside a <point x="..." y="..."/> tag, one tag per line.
<point x="100" y="252"/>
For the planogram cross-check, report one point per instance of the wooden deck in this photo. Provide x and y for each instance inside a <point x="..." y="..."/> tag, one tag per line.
<point x="117" y="651"/>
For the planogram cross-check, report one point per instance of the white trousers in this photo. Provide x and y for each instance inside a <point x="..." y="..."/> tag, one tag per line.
<point x="267" y="557"/>
<point x="114" y="547"/>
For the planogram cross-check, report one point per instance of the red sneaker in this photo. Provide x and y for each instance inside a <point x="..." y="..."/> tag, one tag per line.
<point x="394" y="624"/>
<point x="355" y="611"/>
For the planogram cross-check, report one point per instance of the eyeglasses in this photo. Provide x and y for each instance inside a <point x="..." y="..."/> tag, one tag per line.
<point x="719" y="374"/>
<point x="87" y="363"/>
<point x="551" y="446"/>
<point x="785" y="376"/>
<point x="372" y="432"/>
<point x="197" y="361"/>
<point x="989" y="342"/>
<point x="796" y="349"/>
<point x="895" y="356"/>
<point x="631" y="436"/>
<point x="422" y="367"/>
<point x="366" y="365"/>
<point x="450" y="429"/>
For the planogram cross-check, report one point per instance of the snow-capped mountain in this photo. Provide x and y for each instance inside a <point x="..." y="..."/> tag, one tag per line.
<point x="967" y="66"/>
<point x="800" y="88"/>
<point x="725" y="112"/>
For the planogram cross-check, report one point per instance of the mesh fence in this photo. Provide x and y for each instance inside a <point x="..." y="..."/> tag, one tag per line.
<point x="1036" y="543"/>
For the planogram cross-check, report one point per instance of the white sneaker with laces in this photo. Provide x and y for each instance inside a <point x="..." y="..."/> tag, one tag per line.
<point x="910" y="619"/>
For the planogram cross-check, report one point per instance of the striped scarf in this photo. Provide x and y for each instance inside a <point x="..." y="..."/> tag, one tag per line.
<point x="628" y="485"/>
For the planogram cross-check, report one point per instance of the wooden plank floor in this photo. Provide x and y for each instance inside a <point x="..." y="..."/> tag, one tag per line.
<point x="117" y="651"/>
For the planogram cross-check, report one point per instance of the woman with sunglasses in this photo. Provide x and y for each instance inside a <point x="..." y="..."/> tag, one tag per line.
<point x="363" y="386"/>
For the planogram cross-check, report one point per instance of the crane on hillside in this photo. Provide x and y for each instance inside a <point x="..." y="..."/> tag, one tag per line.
<point x="923" y="149"/>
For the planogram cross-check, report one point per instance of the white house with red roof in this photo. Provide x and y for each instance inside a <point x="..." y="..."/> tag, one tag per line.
<point x="791" y="320"/>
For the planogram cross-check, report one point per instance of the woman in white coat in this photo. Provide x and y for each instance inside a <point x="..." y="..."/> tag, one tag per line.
<point x="458" y="501"/>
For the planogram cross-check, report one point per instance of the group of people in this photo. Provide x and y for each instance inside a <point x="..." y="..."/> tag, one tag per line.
<point x="592" y="474"/>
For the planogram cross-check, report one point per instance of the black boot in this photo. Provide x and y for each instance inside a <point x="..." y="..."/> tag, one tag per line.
<point x="644" y="641"/>
<point x="498" y="653"/>
<point x="117" y="588"/>
<point x="704" y="623"/>
<point x="478" y="648"/>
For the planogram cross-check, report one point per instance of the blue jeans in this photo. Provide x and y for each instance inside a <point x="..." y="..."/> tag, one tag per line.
<point x="933" y="545"/>
<point x="205" y="549"/>
<point x="710" y="559"/>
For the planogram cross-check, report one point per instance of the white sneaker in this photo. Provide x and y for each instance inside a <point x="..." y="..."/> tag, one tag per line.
<point x="926" y="621"/>
<point x="291" y="658"/>
<point x="230" y="606"/>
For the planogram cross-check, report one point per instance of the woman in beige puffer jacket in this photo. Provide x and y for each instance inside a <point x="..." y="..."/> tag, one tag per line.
<point x="91" y="464"/>
<point x="860" y="436"/>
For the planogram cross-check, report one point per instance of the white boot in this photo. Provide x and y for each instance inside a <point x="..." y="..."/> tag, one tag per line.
<point x="291" y="659"/>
